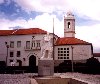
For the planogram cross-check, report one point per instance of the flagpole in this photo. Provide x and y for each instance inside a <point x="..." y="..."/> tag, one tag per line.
<point x="53" y="38"/>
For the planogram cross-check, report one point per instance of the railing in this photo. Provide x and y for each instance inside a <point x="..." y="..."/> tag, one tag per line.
<point x="36" y="48"/>
<point x="27" y="48"/>
<point x="32" y="48"/>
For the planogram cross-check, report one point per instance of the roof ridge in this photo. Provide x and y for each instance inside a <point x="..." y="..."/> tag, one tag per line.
<point x="70" y="40"/>
<point x="25" y="31"/>
<point x="82" y="40"/>
<point x="14" y="31"/>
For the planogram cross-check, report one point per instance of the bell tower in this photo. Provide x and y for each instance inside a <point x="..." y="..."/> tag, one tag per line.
<point x="69" y="25"/>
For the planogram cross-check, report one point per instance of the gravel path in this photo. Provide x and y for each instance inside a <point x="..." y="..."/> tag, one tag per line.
<point x="27" y="78"/>
<point x="91" y="79"/>
<point x="14" y="79"/>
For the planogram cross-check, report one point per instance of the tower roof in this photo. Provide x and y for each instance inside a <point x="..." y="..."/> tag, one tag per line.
<point x="69" y="15"/>
<point x="70" y="41"/>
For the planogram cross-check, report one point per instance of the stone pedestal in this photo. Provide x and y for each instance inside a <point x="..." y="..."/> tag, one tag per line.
<point x="45" y="67"/>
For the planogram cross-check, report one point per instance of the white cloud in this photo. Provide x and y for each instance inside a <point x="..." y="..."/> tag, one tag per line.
<point x="5" y="24"/>
<point x="42" y="5"/>
<point x="44" y="21"/>
<point x="83" y="8"/>
<point x="28" y="5"/>
<point x="90" y="34"/>
<point x="1" y="1"/>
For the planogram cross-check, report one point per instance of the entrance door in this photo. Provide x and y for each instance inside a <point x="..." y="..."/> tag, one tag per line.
<point x="32" y="61"/>
<point x="19" y="62"/>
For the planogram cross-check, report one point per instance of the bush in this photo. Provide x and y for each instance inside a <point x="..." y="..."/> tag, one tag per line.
<point x="93" y="65"/>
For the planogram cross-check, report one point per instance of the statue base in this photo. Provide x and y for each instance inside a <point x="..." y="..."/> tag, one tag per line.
<point x="46" y="67"/>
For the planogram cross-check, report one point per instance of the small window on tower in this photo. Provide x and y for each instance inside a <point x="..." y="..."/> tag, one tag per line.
<point x="68" y="24"/>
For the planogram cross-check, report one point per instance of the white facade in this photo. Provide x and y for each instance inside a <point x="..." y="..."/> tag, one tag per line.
<point x="25" y="53"/>
<point x="79" y="52"/>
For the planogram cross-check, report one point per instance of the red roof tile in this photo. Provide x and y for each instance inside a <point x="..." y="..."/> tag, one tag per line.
<point x="22" y="31"/>
<point x="6" y="32"/>
<point x="70" y="40"/>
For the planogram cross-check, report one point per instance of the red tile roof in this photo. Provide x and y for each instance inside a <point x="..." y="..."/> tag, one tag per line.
<point x="5" y="32"/>
<point x="70" y="40"/>
<point x="22" y="31"/>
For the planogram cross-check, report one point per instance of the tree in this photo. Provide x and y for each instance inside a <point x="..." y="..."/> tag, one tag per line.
<point x="93" y="65"/>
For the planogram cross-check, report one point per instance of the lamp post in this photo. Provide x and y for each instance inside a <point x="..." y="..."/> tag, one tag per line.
<point x="72" y="59"/>
<point x="7" y="46"/>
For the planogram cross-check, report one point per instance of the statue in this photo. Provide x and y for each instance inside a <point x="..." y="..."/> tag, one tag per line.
<point x="46" y="62"/>
<point x="46" y="48"/>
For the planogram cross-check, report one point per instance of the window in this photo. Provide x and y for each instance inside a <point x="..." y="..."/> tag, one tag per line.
<point x="18" y="44"/>
<point x="38" y="43"/>
<point x="68" y="24"/>
<point x="60" y="57"/>
<point x="63" y="53"/>
<point x="11" y="44"/>
<point x="67" y="48"/>
<point x="61" y="48"/>
<point x="11" y="54"/>
<point x="64" y="48"/>
<point x="33" y="43"/>
<point x="27" y="44"/>
<point x="18" y="53"/>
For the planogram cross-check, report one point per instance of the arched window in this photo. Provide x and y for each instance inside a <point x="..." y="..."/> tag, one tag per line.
<point x="68" y="24"/>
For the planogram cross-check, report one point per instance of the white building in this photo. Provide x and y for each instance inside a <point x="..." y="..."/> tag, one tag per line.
<point x="69" y="47"/>
<point x="22" y="47"/>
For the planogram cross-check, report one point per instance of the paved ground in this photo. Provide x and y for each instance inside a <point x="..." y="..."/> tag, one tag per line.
<point x="91" y="79"/>
<point x="28" y="78"/>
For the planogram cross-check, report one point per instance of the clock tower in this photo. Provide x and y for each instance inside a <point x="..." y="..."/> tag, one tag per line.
<point x="69" y="25"/>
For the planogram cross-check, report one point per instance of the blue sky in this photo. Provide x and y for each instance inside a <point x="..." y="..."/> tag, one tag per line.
<point x="40" y="13"/>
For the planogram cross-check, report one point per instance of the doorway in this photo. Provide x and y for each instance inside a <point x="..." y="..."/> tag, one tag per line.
<point x="32" y="61"/>
<point x="19" y="62"/>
